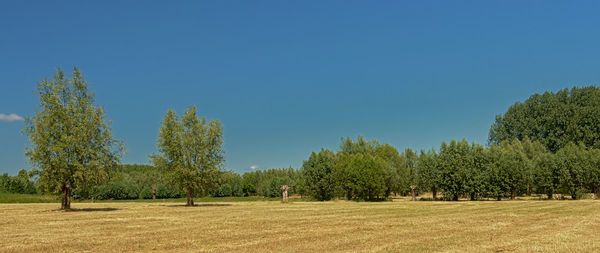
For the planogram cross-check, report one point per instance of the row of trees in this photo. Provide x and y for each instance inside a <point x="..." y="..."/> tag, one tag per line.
<point x="360" y="170"/>
<point x="20" y="183"/>
<point x="367" y="170"/>
<point x="508" y="169"/>
<point x="267" y="183"/>
<point x="73" y="153"/>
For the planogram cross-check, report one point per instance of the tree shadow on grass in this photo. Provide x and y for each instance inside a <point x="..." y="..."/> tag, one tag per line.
<point x="106" y="209"/>
<point x="200" y="205"/>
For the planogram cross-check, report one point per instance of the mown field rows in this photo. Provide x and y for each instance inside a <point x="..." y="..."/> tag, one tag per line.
<point x="304" y="226"/>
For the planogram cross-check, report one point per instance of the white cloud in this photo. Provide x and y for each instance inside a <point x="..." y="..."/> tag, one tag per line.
<point x="254" y="167"/>
<point x="10" y="117"/>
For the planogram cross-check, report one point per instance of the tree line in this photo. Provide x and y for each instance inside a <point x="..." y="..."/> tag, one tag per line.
<point x="366" y="170"/>
<point x="545" y="145"/>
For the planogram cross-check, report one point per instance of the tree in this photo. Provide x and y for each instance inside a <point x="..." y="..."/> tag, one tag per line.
<point x="553" y="119"/>
<point x="592" y="177"/>
<point x="508" y="166"/>
<point x="475" y="169"/>
<point x="407" y="170"/>
<point x="70" y="142"/>
<point x="20" y="183"/>
<point x="398" y="180"/>
<point x="572" y="164"/>
<point x="546" y="174"/>
<point x="318" y="174"/>
<point x="363" y="171"/>
<point x="191" y="151"/>
<point x="452" y="162"/>
<point x="427" y="172"/>
<point x="365" y="176"/>
<point x="230" y="184"/>
<point x="533" y="150"/>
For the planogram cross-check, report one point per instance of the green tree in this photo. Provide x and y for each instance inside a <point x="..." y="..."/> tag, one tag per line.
<point x="319" y="175"/>
<point x="592" y="177"/>
<point x="398" y="180"/>
<point x="427" y="172"/>
<point x="573" y="163"/>
<point x="452" y="163"/>
<point x="546" y="174"/>
<point x="362" y="171"/>
<point x="365" y="176"/>
<point x="508" y="166"/>
<point x="407" y="170"/>
<point x="553" y="119"/>
<point x="230" y="184"/>
<point x="191" y="151"/>
<point x="70" y="142"/>
<point x="533" y="150"/>
<point x="474" y="172"/>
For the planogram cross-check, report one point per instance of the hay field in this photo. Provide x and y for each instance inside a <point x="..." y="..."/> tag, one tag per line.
<point x="337" y="226"/>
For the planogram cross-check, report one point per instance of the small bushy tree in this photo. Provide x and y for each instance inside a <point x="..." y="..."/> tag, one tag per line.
<point x="318" y="174"/>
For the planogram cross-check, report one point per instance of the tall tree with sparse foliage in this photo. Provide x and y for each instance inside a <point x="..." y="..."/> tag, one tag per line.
<point x="70" y="142"/>
<point x="191" y="151"/>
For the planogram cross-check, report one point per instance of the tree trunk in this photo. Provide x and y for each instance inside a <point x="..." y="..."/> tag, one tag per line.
<point x="597" y="192"/>
<point x="190" y="199"/>
<point x="66" y="200"/>
<point x="549" y="194"/>
<point x="513" y="194"/>
<point x="455" y="197"/>
<point x="413" y="193"/>
<point x="499" y="198"/>
<point x="472" y="195"/>
<point x="574" y="195"/>
<point x="154" y="191"/>
<point x="92" y="198"/>
<point x="434" y="191"/>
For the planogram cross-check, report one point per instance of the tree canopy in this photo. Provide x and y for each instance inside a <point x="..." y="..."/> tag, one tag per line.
<point x="553" y="119"/>
<point x="191" y="154"/>
<point x="70" y="142"/>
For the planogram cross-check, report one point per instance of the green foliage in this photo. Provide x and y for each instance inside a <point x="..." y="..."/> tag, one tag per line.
<point x="508" y="169"/>
<point x="364" y="169"/>
<point x="318" y="175"/>
<point x="546" y="174"/>
<point x="191" y="151"/>
<point x="573" y="162"/>
<point x="20" y="183"/>
<point x="230" y="185"/>
<point x="70" y="141"/>
<point x="267" y="183"/>
<point x="427" y="172"/>
<point x="132" y="181"/>
<point x="553" y="119"/>
<point x="592" y="173"/>
<point x="398" y="168"/>
<point x="460" y="169"/>
<point x="366" y="176"/>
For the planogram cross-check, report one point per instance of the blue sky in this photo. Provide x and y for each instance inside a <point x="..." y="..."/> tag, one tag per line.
<point x="289" y="77"/>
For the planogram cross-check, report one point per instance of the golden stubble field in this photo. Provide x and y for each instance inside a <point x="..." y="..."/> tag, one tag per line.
<point x="337" y="226"/>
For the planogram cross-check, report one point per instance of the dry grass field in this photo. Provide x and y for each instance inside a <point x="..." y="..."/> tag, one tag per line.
<point x="337" y="226"/>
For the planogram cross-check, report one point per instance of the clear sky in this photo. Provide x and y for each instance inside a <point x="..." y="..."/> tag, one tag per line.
<point x="289" y="77"/>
